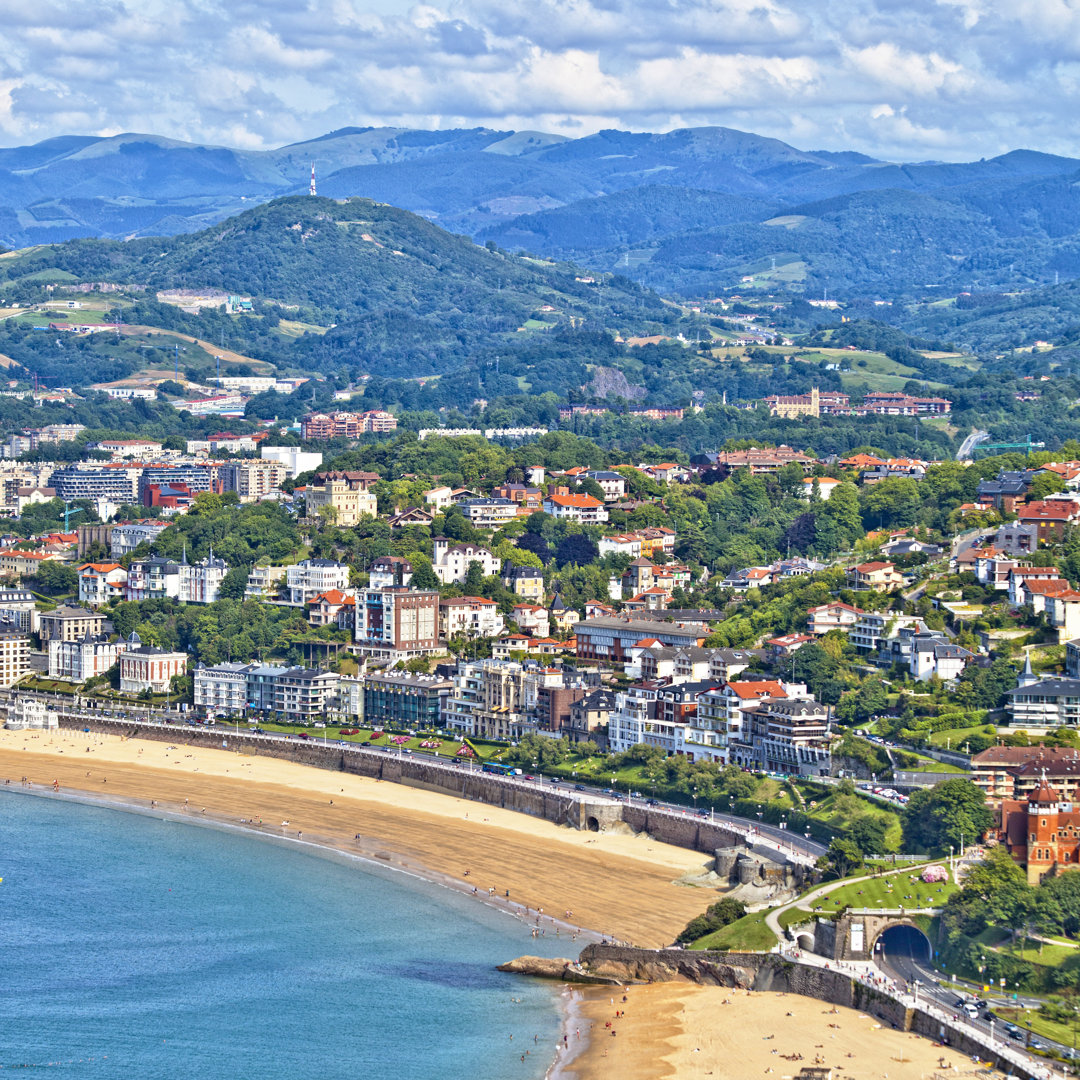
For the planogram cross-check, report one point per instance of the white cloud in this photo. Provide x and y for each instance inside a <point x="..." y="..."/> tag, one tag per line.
<point x="956" y="78"/>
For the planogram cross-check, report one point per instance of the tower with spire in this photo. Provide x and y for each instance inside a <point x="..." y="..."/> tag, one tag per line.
<point x="1042" y="857"/>
<point x="311" y="186"/>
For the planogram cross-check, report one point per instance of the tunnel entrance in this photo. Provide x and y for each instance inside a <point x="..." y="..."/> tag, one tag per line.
<point x="592" y="824"/>
<point x="904" y="941"/>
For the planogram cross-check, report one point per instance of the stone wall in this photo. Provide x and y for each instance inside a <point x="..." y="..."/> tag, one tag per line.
<point x="688" y="831"/>
<point x="771" y="972"/>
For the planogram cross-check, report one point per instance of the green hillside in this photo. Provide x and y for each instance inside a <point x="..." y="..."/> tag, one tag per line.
<point x="388" y="292"/>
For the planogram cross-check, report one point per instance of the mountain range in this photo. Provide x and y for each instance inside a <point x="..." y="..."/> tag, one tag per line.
<point x="689" y="211"/>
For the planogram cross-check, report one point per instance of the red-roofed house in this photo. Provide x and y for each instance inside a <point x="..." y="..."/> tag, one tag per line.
<point x="472" y="616"/>
<point x="1051" y="516"/>
<point x="101" y="582"/>
<point x="328" y="607"/>
<point x="874" y="576"/>
<point x="834" y="616"/>
<point x="583" y="508"/>
<point x="1020" y="575"/>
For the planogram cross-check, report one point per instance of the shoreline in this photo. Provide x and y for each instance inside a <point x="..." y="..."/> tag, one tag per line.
<point x="320" y="846"/>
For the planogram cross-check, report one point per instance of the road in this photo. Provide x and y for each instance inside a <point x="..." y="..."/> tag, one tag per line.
<point x="907" y="962"/>
<point x="968" y="445"/>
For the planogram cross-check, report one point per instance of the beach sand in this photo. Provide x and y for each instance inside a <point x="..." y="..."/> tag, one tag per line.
<point x="678" y="1030"/>
<point x="615" y="884"/>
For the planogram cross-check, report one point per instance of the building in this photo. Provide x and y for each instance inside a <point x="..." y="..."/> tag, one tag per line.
<point x="77" y="661"/>
<point x="344" y="495"/>
<point x="589" y="717"/>
<point x="221" y="689"/>
<point x="309" y="578"/>
<point x="1043" y="703"/>
<point x="120" y="449"/>
<point x="397" y="624"/>
<point x="143" y="667"/>
<point x="1050" y="517"/>
<point x="304" y="694"/>
<point x="494" y="699"/>
<point x="389" y="572"/>
<point x="451" y="561"/>
<point x="153" y="578"/>
<point x="874" y="576"/>
<point x="67" y="623"/>
<point x="524" y="581"/>
<point x="101" y="582"/>
<point x="399" y="700"/>
<point x="126" y="536"/>
<point x="14" y="654"/>
<point x="1041" y="832"/>
<point x="1014" y="772"/>
<point x="833" y="616"/>
<point x="789" y="736"/>
<point x="18" y="607"/>
<point x="73" y="482"/>
<point x="469" y="617"/>
<point x="265" y="582"/>
<point x="253" y="479"/>
<point x="200" y="582"/>
<point x="295" y="460"/>
<point x="316" y="427"/>
<point x="333" y="608"/>
<point x="583" y="508"/>
<point x="611" y="639"/>
<point x="488" y="513"/>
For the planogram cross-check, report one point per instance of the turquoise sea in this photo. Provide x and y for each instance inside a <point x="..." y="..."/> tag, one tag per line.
<point x="143" y="948"/>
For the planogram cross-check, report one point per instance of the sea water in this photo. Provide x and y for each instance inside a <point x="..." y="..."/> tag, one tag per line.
<point x="143" y="948"/>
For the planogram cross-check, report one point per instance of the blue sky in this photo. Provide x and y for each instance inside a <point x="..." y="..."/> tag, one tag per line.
<point x="912" y="80"/>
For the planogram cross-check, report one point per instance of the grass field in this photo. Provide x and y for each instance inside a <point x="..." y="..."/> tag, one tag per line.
<point x="953" y="738"/>
<point x="897" y="890"/>
<point x="748" y="934"/>
<point x="448" y="747"/>
<point x="794" y="916"/>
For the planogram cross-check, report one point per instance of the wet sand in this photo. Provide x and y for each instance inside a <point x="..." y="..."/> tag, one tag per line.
<point x="615" y="884"/>
<point x="678" y="1031"/>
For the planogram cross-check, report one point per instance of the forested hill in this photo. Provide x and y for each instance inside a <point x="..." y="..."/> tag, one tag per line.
<point x="370" y="286"/>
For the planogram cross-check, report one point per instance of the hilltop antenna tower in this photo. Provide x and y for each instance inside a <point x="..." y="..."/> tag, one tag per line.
<point x="311" y="186"/>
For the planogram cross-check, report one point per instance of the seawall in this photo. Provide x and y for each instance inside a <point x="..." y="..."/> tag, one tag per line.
<point x="543" y="800"/>
<point x="775" y="972"/>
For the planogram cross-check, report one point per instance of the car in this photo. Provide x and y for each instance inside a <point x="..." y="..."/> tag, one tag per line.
<point x="1034" y="1044"/>
<point x="1013" y="1031"/>
<point x="580" y="787"/>
<point x="529" y="776"/>
<point x="652" y="802"/>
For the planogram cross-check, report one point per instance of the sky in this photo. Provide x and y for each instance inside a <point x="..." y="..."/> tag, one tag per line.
<point x="900" y="79"/>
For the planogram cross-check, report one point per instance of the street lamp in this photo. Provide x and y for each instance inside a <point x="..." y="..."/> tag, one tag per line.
<point x="695" y="800"/>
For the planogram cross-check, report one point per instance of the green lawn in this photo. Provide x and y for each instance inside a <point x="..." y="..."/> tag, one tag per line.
<point x="953" y="738"/>
<point x="1050" y="956"/>
<point x="928" y="764"/>
<point x="447" y="748"/>
<point x="896" y="890"/>
<point x="794" y="916"/>
<point x="748" y="934"/>
<point x="838" y="812"/>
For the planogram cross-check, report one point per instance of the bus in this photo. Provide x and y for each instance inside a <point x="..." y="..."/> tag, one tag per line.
<point x="501" y="769"/>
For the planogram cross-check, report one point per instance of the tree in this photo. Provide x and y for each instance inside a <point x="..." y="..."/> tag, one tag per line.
<point x="534" y="543"/>
<point x="868" y="833"/>
<point x="843" y="856"/>
<point x="55" y="578"/>
<point x="716" y="917"/>
<point x="577" y="550"/>
<point x="474" y="579"/>
<point x="950" y="814"/>
<point x="423" y="575"/>
<point x="234" y="583"/>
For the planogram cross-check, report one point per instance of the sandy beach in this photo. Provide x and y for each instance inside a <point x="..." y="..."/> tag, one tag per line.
<point x="615" y="884"/>
<point x="677" y="1030"/>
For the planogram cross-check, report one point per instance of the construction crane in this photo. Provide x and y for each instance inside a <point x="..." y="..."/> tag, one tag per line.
<point x="69" y="514"/>
<point x="1004" y="447"/>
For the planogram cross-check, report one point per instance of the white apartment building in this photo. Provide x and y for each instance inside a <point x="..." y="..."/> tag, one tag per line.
<point x="19" y="608"/>
<point x="295" y="460"/>
<point x="221" y="689"/>
<point x="583" y="508"/>
<point x="451" y="561"/>
<point x="307" y="579"/>
<point x="471" y="616"/>
<point x="101" y="582"/>
<point x="489" y="513"/>
<point x="263" y="581"/>
<point x="77" y="661"/>
<point x="253" y="479"/>
<point x="126" y="537"/>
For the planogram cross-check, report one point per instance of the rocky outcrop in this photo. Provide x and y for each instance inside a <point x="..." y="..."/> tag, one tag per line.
<point x="545" y="967"/>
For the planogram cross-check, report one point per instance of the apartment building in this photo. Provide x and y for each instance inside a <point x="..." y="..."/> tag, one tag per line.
<point x="101" y="582"/>
<point x="253" y="479"/>
<point x="397" y="624"/>
<point x="347" y="495"/>
<point x="143" y="667"/>
<point x="309" y="578"/>
<point x="77" y="661"/>
<point x="470" y="617"/>
<point x="14" y="654"/>
<point x="68" y="623"/>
